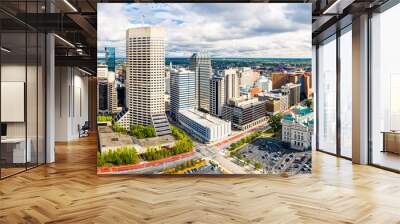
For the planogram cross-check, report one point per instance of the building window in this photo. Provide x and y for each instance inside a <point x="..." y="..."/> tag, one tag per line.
<point x="326" y="97"/>
<point x="385" y="89"/>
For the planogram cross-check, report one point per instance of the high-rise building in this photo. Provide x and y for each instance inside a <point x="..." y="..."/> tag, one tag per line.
<point x="110" y="58"/>
<point x="145" y="75"/>
<point x="279" y="79"/>
<point x="217" y="100"/>
<point x="307" y="85"/>
<point x="182" y="90"/>
<point x="167" y="81"/>
<point x="231" y="77"/>
<point x="200" y="63"/>
<point x="293" y="90"/>
<point x="106" y="90"/>
<point x="102" y="88"/>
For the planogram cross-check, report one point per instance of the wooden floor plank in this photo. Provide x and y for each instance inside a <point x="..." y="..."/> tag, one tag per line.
<point x="69" y="191"/>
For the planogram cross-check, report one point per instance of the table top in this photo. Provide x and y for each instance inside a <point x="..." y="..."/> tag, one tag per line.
<point x="391" y="132"/>
<point x="13" y="140"/>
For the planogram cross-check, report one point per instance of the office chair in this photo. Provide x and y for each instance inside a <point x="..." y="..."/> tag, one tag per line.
<point x="84" y="130"/>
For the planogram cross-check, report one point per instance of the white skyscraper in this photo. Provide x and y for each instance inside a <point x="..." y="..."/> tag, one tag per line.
<point x="200" y="63"/>
<point x="145" y="75"/>
<point x="182" y="90"/>
<point x="231" y="77"/>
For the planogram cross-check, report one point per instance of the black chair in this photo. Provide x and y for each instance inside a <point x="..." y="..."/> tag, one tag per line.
<point x="84" y="130"/>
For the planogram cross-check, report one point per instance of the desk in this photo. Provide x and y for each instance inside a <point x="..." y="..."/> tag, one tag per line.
<point x="13" y="150"/>
<point x="391" y="141"/>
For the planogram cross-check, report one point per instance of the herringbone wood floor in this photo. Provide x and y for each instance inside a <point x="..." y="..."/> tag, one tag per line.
<point x="70" y="192"/>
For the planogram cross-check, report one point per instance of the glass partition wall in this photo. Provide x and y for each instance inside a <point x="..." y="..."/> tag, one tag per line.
<point x="326" y="79"/>
<point x="22" y="77"/>
<point x="334" y="94"/>
<point x="385" y="89"/>
<point x="345" y="91"/>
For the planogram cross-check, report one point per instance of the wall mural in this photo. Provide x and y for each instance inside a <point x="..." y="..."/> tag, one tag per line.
<point x="204" y="88"/>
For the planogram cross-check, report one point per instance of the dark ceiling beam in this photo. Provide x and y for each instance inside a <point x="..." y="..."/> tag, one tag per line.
<point x="86" y="27"/>
<point x="78" y="61"/>
<point x="49" y="22"/>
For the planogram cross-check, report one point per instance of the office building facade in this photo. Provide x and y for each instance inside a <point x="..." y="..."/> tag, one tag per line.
<point x="293" y="92"/>
<point x="145" y="73"/>
<point x="245" y="113"/>
<point x="200" y="63"/>
<point x="273" y="106"/>
<point x="182" y="95"/>
<point x="217" y="99"/>
<point x="107" y="101"/>
<point x="110" y="58"/>
<point x="232" y="90"/>
<point x="204" y="126"/>
<point x="279" y="79"/>
<point x="307" y="90"/>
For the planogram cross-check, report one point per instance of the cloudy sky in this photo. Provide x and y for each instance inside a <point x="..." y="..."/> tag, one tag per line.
<point x="224" y="30"/>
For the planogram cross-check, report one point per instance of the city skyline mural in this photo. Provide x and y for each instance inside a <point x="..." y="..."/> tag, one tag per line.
<point x="191" y="89"/>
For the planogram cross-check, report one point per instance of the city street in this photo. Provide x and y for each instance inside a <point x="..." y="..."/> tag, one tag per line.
<point x="209" y="152"/>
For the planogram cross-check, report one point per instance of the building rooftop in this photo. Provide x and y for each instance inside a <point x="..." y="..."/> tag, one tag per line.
<point x="201" y="54"/>
<point x="201" y="118"/>
<point x="297" y="114"/>
<point x="302" y="111"/>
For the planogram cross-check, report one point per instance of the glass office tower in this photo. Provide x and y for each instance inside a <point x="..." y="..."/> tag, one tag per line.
<point x="110" y="58"/>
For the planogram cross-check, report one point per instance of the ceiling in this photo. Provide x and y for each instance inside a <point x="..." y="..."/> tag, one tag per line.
<point x="73" y="21"/>
<point x="331" y="15"/>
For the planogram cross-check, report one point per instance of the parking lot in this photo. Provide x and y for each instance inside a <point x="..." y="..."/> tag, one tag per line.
<point x="275" y="158"/>
<point x="206" y="169"/>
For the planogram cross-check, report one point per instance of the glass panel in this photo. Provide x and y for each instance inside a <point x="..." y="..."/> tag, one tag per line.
<point x="32" y="88"/>
<point x="31" y="97"/>
<point x="385" y="92"/>
<point x="41" y="98"/>
<point x="327" y="96"/>
<point x="13" y="87"/>
<point x="346" y="94"/>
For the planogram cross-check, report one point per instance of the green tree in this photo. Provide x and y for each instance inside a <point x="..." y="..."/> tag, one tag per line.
<point x="308" y="103"/>
<point x="120" y="156"/>
<point x="276" y="124"/>
<point x="117" y="128"/>
<point x="140" y="131"/>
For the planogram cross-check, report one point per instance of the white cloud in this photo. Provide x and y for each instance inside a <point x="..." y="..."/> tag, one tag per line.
<point x="225" y="30"/>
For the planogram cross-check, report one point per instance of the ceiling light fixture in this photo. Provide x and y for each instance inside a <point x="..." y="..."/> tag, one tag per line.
<point x="5" y="50"/>
<point x="64" y="40"/>
<point x="70" y="5"/>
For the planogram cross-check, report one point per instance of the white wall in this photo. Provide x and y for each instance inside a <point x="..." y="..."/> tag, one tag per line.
<point x="71" y="102"/>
